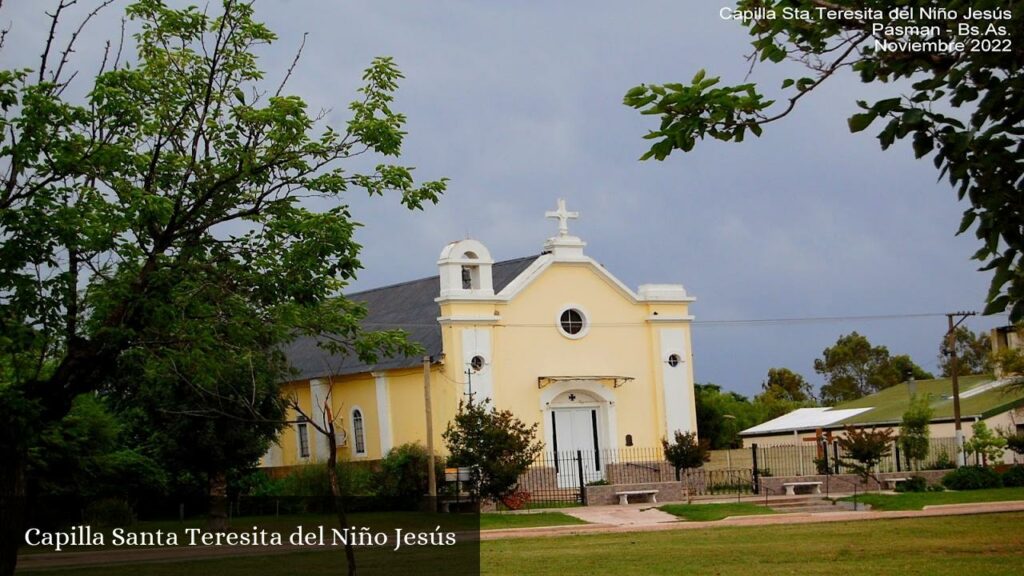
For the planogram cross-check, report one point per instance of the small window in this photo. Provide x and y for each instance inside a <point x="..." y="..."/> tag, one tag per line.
<point x="674" y="360"/>
<point x="477" y="363"/>
<point x="303" y="431"/>
<point x="572" y="322"/>
<point x="629" y="439"/>
<point x="358" y="436"/>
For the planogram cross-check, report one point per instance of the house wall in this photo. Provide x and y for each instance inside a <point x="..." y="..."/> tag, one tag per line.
<point x="1009" y="420"/>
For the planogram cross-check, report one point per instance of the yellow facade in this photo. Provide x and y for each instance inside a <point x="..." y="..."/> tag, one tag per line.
<point x="559" y="342"/>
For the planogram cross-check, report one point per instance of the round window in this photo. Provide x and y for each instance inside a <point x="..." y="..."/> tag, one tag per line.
<point x="674" y="360"/>
<point x="572" y="322"/>
<point x="476" y="363"/>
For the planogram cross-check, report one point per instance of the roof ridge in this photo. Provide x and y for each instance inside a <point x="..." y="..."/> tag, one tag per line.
<point x="435" y="276"/>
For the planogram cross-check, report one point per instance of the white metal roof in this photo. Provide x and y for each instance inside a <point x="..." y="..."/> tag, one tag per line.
<point x="803" y="419"/>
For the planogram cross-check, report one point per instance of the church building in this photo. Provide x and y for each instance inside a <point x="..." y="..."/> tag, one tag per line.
<point x="555" y="338"/>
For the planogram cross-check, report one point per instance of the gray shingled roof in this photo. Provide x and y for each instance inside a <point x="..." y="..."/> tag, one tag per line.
<point x="409" y="306"/>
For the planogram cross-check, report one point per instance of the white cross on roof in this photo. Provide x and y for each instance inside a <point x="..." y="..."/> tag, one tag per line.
<point x="563" y="217"/>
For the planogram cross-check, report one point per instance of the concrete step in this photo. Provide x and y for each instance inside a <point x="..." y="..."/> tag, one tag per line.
<point x="801" y="504"/>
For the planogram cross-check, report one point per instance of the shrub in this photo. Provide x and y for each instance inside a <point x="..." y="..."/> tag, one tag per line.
<point x="913" y="484"/>
<point x="494" y="444"/>
<point x="972" y="478"/>
<point x="1014" y="476"/>
<point x="942" y="462"/>
<point x="109" y="513"/>
<point x="516" y="500"/>
<point x="936" y="488"/>
<point x="984" y="444"/>
<point x="403" y="475"/>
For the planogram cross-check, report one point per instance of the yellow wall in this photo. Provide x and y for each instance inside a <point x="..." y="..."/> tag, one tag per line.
<point x="623" y="339"/>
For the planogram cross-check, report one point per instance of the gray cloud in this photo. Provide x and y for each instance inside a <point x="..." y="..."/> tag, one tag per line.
<point x="520" y="103"/>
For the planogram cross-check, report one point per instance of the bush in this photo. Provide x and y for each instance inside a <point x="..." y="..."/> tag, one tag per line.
<point x="1014" y="476"/>
<point x="402" y="479"/>
<point x="913" y="484"/>
<point x="109" y="513"/>
<point x="942" y="462"/>
<point x="936" y="488"/>
<point x="972" y="478"/>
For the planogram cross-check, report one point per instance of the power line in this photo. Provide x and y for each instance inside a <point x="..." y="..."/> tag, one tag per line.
<point x="716" y="322"/>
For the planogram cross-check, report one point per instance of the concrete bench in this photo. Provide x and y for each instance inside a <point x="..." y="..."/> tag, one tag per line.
<point x="892" y="482"/>
<point x="791" y="487"/>
<point x="624" y="496"/>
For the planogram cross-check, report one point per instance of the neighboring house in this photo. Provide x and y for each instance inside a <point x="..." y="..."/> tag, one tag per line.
<point x="554" y="338"/>
<point x="981" y="398"/>
<point x="1005" y="338"/>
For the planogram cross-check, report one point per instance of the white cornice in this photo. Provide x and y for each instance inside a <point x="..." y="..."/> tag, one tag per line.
<point x="469" y="319"/>
<point x="663" y="319"/>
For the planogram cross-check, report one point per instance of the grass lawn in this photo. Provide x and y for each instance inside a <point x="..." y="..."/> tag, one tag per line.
<point x="501" y="521"/>
<point x="706" y="512"/>
<point x="918" y="500"/>
<point x="976" y="545"/>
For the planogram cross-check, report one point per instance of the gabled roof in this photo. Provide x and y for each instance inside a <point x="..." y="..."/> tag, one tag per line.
<point x="409" y="306"/>
<point x="803" y="419"/>
<point x="980" y="397"/>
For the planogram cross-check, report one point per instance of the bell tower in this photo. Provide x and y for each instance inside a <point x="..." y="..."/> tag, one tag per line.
<point x="465" y="270"/>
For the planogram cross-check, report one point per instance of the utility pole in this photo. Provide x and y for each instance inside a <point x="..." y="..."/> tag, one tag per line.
<point x="431" y="480"/>
<point x="954" y="368"/>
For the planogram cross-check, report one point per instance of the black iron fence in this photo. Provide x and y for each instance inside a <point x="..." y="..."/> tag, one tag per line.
<point x="559" y="478"/>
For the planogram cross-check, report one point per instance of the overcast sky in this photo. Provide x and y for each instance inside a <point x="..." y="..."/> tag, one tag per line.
<point x="520" y="103"/>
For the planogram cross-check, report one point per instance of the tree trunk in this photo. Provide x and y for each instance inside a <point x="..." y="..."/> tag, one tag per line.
<point x="336" y="496"/>
<point x="12" y="508"/>
<point x="218" y="486"/>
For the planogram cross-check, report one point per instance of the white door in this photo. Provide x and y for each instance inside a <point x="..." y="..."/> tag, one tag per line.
<point x="576" y="431"/>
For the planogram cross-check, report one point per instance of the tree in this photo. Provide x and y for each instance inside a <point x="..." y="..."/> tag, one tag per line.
<point x="684" y="453"/>
<point x="905" y="367"/>
<point x="1014" y="440"/>
<point x="721" y="415"/>
<point x="494" y="444"/>
<point x="914" y="432"/>
<point x="972" y="351"/>
<point x="863" y="449"/>
<point x="784" y="384"/>
<point x="783" y="392"/>
<point x="853" y="368"/>
<point x="179" y="170"/>
<point x="961" y="111"/>
<point x="985" y="444"/>
<point x="205" y="415"/>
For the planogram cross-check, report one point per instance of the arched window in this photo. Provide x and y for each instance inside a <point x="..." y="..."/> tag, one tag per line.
<point x="358" y="435"/>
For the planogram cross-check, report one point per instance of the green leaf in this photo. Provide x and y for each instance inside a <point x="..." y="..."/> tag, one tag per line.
<point x="859" y="122"/>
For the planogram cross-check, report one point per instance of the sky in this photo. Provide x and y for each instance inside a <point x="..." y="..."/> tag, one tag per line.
<point x="520" y="103"/>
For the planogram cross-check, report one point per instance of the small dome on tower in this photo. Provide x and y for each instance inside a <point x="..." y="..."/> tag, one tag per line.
<point x="465" y="270"/>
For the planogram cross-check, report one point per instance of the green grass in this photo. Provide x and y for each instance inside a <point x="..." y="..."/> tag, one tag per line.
<point x="918" y="500"/>
<point x="706" y="512"/>
<point x="976" y="545"/>
<point x="502" y="521"/>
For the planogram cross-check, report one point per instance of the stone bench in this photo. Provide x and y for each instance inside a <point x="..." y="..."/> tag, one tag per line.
<point x="624" y="496"/>
<point x="892" y="482"/>
<point x="791" y="487"/>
